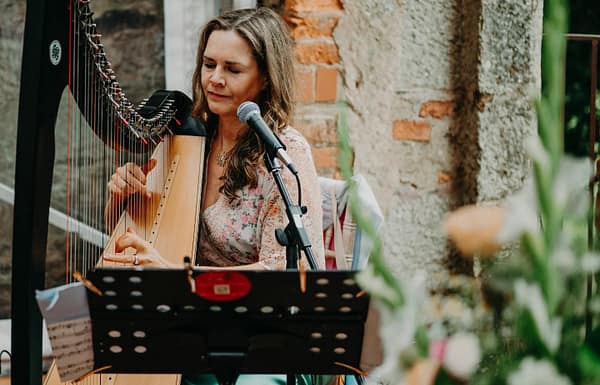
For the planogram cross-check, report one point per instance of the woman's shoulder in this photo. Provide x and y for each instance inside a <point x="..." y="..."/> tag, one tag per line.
<point x="294" y="140"/>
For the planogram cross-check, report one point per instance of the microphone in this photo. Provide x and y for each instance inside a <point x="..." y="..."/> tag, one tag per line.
<point x="249" y="113"/>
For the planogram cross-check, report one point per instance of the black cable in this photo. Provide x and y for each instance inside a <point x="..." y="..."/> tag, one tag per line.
<point x="299" y="187"/>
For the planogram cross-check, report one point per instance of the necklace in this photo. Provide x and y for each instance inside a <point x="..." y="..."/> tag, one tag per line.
<point x="221" y="158"/>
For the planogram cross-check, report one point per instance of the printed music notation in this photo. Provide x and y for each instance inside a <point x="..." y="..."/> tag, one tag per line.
<point x="72" y="347"/>
<point x="66" y="311"/>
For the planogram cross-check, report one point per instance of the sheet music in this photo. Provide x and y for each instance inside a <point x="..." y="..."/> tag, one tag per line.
<point x="67" y="315"/>
<point x="72" y="347"/>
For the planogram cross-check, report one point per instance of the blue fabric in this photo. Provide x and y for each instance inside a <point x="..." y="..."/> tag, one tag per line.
<point x="356" y="252"/>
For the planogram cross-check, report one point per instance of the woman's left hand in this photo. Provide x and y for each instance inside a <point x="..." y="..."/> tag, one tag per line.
<point x="145" y="254"/>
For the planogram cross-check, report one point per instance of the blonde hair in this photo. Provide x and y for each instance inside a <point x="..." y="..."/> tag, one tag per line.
<point x="268" y="37"/>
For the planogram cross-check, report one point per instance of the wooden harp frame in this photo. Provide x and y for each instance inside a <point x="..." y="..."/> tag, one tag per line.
<point x="44" y="76"/>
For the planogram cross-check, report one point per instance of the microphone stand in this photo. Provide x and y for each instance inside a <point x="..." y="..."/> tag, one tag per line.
<point x="294" y="237"/>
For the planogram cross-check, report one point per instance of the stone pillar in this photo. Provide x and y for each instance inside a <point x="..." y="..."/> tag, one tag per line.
<point x="438" y="104"/>
<point x="184" y="20"/>
<point x="238" y="4"/>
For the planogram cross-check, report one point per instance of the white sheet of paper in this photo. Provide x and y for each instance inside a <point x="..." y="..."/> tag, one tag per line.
<point x="67" y="315"/>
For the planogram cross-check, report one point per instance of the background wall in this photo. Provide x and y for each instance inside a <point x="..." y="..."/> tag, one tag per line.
<point x="438" y="98"/>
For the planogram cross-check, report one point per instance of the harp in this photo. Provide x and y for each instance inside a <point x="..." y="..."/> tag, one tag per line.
<point x="62" y="50"/>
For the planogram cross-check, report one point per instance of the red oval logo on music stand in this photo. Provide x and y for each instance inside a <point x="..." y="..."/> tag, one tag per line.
<point x="222" y="285"/>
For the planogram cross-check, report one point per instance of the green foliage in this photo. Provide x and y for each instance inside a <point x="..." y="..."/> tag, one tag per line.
<point x="583" y="20"/>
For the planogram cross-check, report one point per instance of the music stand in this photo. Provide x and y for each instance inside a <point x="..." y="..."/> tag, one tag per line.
<point x="183" y="321"/>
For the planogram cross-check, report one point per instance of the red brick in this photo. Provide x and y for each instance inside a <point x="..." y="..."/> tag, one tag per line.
<point x="317" y="53"/>
<point x="311" y="27"/>
<point x="308" y="6"/>
<point x="318" y="131"/>
<point x="411" y="130"/>
<point x="305" y="84"/>
<point x="437" y="109"/>
<point x="444" y="177"/>
<point x="325" y="156"/>
<point x="326" y="85"/>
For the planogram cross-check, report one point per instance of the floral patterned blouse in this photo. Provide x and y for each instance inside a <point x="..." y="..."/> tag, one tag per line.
<point x="244" y="232"/>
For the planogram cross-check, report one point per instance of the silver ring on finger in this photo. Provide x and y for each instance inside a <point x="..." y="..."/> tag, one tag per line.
<point x="136" y="260"/>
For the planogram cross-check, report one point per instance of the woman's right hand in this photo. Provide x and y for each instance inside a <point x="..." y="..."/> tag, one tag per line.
<point x="130" y="179"/>
<point x="144" y="255"/>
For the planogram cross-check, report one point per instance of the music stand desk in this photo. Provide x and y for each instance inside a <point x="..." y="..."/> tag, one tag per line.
<point x="150" y="321"/>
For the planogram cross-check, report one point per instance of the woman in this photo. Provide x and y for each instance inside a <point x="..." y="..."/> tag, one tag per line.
<point x="244" y="55"/>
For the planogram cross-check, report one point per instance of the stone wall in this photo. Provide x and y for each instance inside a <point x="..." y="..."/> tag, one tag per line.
<point x="438" y="97"/>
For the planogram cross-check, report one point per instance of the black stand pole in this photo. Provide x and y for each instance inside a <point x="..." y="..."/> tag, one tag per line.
<point x="294" y="237"/>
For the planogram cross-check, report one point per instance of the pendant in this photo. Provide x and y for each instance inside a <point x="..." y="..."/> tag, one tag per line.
<point x="221" y="158"/>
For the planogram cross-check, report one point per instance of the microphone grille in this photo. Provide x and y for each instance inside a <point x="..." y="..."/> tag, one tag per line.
<point x="246" y="109"/>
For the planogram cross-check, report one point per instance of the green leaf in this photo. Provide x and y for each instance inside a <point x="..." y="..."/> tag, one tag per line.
<point x="589" y="362"/>
<point x="422" y="341"/>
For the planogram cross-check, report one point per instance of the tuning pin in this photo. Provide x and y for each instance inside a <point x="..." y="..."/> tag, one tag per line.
<point x="152" y="140"/>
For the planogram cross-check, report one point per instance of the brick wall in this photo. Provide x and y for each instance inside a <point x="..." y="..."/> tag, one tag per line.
<point x="312" y="23"/>
<point x="319" y="85"/>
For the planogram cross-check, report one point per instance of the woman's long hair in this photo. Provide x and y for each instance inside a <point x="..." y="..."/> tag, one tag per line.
<point x="268" y="37"/>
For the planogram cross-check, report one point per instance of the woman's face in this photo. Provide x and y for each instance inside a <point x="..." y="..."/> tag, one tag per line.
<point x="229" y="73"/>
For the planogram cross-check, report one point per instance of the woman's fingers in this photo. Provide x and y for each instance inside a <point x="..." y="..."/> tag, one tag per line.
<point x="130" y="239"/>
<point x="130" y="259"/>
<point x="120" y="258"/>
<point x="131" y="174"/>
<point x="149" y="166"/>
<point x="130" y="179"/>
<point x="144" y="254"/>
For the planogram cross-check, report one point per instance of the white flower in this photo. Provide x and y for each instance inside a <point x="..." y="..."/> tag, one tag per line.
<point x="462" y="355"/>
<point x="537" y="372"/>
<point x="570" y="186"/>
<point x="564" y="260"/>
<point x="530" y="297"/>
<point x="569" y="193"/>
<point x="536" y="151"/>
<point x="521" y="214"/>
<point x="375" y="285"/>
<point x="590" y="263"/>
<point x="397" y="328"/>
